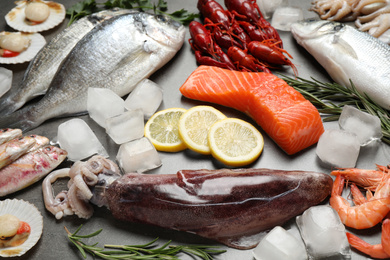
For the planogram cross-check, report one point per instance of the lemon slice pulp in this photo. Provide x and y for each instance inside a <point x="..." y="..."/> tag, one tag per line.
<point x="162" y="130"/>
<point x="235" y="142"/>
<point x="194" y="125"/>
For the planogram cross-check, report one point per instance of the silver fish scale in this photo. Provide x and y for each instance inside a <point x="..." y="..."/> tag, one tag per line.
<point x="348" y="54"/>
<point x="43" y="67"/>
<point x="114" y="55"/>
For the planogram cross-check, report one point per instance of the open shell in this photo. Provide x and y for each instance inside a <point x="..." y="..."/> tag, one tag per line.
<point x="26" y="212"/>
<point x="37" y="42"/>
<point x="17" y="19"/>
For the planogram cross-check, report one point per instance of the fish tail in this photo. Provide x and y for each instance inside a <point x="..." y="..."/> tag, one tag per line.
<point x="22" y="119"/>
<point x="8" y="106"/>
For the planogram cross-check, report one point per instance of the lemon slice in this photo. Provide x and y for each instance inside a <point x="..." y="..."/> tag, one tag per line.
<point x="162" y="130"/>
<point x="235" y="142"/>
<point x="194" y="126"/>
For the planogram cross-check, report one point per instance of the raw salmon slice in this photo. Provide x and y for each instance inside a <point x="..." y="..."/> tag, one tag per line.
<point x="283" y="113"/>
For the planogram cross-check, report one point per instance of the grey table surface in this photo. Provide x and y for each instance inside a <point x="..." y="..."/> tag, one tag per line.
<point x="54" y="243"/>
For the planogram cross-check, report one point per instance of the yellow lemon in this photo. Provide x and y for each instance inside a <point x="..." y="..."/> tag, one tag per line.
<point x="194" y="125"/>
<point x="235" y="142"/>
<point x="162" y="130"/>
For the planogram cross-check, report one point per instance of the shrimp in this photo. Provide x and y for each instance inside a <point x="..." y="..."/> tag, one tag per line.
<point x="381" y="250"/>
<point x="368" y="179"/>
<point x="364" y="215"/>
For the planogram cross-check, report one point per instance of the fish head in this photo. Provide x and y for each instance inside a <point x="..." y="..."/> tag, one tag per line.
<point x="164" y="30"/>
<point x="313" y="29"/>
<point x="54" y="155"/>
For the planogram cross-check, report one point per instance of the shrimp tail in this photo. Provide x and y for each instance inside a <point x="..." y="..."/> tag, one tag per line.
<point x="385" y="239"/>
<point x="375" y="251"/>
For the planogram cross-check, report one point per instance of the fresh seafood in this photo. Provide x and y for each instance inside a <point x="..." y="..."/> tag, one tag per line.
<point x="29" y="169"/>
<point x="25" y="212"/>
<point x="333" y="10"/>
<point x="348" y="55"/>
<point x="17" y="18"/>
<point x="368" y="179"/>
<point x="380" y="251"/>
<point x="224" y="38"/>
<point x="143" y="44"/>
<point x="40" y="141"/>
<point x="13" y="232"/>
<point x="12" y="150"/>
<point x="363" y="215"/>
<point x="8" y="134"/>
<point x="287" y="117"/>
<point x="43" y="67"/>
<point x="244" y="203"/>
<point x="29" y="44"/>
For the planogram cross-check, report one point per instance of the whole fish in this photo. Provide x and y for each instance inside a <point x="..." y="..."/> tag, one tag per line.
<point x="12" y="150"/>
<point x="8" y="134"/>
<point x="30" y="168"/>
<point x="348" y="54"/>
<point x="116" y="55"/>
<point x="230" y="206"/>
<point x="43" y="67"/>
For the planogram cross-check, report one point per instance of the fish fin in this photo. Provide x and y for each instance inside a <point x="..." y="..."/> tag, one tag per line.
<point x="243" y="242"/>
<point x="344" y="47"/>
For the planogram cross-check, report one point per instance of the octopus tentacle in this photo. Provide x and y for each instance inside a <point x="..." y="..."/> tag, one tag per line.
<point x="332" y="10"/>
<point x="368" y="6"/>
<point x="58" y="206"/>
<point x="79" y="206"/>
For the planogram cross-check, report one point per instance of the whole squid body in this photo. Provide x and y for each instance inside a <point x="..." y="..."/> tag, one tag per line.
<point x="45" y="64"/>
<point x="348" y="54"/>
<point x="233" y="207"/>
<point x="117" y="54"/>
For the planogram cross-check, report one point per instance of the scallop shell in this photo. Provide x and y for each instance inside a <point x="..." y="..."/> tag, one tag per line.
<point x="37" y="42"/>
<point x="17" y="19"/>
<point x="26" y="212"/>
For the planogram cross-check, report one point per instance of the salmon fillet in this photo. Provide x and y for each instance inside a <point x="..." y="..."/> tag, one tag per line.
<point x="281" y="111"/>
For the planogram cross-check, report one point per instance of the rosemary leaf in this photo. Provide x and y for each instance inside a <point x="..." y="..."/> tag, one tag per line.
<point x="139" y="252"/>
<point x="330" y="98"/>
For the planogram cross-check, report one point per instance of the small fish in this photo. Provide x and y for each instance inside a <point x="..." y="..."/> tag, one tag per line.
<point x="348" y="54"/>
<point x="43" y="67"/>
<point x="30" y="168"/>
<point x="116" y="55"/>
<point x="40" y="142"/>
<point x="12" y="150"/>
<point x="8" y="134"/>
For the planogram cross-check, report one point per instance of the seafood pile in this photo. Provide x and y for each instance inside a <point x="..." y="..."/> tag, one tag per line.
<point x="204" y="202"/>
<point x="369" y="210"/>
<point x="238" y="38"/>
<point x="143" y="44"/>
<point x="25" y="160"/>
<point x="369" y="16"/>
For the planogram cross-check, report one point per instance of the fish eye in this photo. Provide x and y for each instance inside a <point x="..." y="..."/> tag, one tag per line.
<point x="337" y="27"/>
<point x="48" y="148"/>
<point x="161" y="18"/>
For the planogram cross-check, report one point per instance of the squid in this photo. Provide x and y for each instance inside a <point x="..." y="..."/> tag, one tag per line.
<point x="232" y="206"/>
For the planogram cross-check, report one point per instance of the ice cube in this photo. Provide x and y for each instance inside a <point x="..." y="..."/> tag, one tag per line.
<point x="338" y="148"/>
<point x="323" y="233"/>
<point x="103" y="103"/>
<point x="367" y="127"/>
<point x="138" y="156"/>
<point x="280" y="244"/>
<point x="268" y="7"/>
<point x="147" y="95"/>
<point x="78" y="139"/>
<point x="284" y="16"/>
<point x="5" y="80"/>
<point x="126" y="127"/>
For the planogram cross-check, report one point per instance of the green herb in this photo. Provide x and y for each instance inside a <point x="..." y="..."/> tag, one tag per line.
<point x="87" y="7"/>
<point x="322" y="95"/>
<point x="146" y="251"/>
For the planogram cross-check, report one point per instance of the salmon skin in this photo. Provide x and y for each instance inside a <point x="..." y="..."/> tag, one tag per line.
<point x="232" y="206"/>
<point x="283" y="113"/>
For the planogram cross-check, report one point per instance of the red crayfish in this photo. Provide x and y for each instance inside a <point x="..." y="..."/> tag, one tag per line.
<point x="238" y="38"/>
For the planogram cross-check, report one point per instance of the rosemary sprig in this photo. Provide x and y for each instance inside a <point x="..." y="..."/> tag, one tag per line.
<point x="323" y="95"/>
<point x="135" y="252"/>
<point x="87" y="7"/>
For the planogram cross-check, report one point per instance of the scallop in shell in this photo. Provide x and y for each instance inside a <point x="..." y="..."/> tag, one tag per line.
<point x="16" y="18"/>
<point x="36" y="44"/>
<point x="26" y="212"/>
